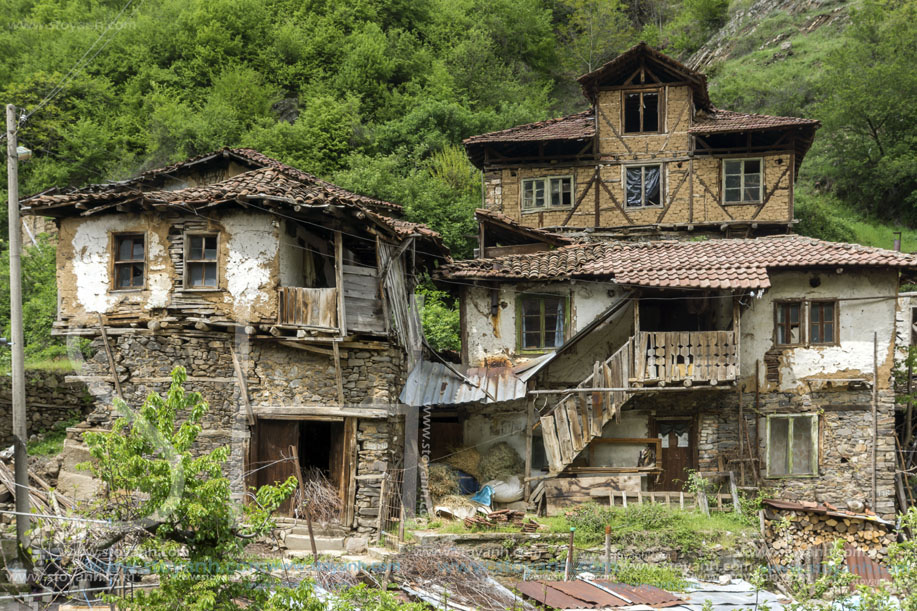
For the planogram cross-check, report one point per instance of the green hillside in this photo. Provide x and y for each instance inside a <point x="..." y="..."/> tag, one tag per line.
<point x="377" y="95"/>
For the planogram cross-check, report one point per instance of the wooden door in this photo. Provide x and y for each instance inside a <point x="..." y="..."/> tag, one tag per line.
<point x="274" y="438"/>
<point x="677" y="437"/>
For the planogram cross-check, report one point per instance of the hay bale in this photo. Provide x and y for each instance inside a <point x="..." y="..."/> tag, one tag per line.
<point x="443" y="482"/>
<point x="467" y="460"/>
<point x="501" y="462"/>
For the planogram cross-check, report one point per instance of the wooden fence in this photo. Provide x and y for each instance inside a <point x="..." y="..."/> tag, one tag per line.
<point x="708" y="356"/>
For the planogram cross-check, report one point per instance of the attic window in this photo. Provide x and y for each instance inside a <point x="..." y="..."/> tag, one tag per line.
<point x="548" y="192"/>
<point x="201" y="261"/>
<point x="643" y="185"/>
<point x="742" y="181"/>
<point x="130" y="261"/>
<point x="641" y="112"/>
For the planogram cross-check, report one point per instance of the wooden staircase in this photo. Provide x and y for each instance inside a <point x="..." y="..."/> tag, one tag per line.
<point x="578" y="418"/>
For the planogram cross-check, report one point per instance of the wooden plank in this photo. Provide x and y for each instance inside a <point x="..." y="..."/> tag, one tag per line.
<point x="551" y="443"/>
<point x="564" y="442"/>
<point x="339" y="281"/>
<point x="338" y="372"/>
<point x="350" y="470"/>
<point x="529" y="426"/>
<point x="576" y="426"/>
<point x="243" y="385"/>
<point x="595" y="420"/>
<point x="736" y="504"/>
<point x="562" y="492"/>
<point x="111" y="358"/>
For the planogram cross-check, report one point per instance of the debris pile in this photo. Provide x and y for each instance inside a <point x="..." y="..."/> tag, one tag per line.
<point x="322" y="498"/>
<point x="500" y="463"/>
<point x="503" y="517"/>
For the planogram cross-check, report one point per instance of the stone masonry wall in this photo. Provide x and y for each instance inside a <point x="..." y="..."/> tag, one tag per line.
<point x="49" y="400"/>
<point x="276" y="376"/>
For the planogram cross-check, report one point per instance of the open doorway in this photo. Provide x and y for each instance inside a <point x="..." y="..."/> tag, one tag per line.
<point x="327" y="446"/>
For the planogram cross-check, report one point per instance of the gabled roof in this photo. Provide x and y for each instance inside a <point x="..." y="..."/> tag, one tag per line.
<point x="719" y="263"/>
<point x="509" y="227"/>
<point x="274" y="182"/>
<point x="577" y="126"/>
<point x="153" y="179"/>
<point x="629" y="61"/>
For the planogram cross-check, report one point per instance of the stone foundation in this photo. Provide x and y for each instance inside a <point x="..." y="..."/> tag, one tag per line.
<point x="49" y="400"/>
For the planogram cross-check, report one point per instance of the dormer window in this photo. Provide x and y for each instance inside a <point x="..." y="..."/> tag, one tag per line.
<point x="548" y="192"/>
<point x="742" y="181"/>
<point x="641" y="111"/>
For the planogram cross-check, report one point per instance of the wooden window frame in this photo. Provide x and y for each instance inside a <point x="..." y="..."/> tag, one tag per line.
<point x="187" y="261"/>
<point x="547" y="190"/>
<point x="835" y="339"/>
<point x="115" y="242"/>
<point x="743" y="201"/>
<point x="803" y="326"/>
<point x="813" y="467"/>
<point x="662" y="185"/>
<point x="660" y="109"/>
<point x="520" y="338"/>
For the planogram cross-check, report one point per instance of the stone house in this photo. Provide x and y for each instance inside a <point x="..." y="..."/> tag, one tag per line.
<point x="639" y="307"/>
<point x="288" y="300"/>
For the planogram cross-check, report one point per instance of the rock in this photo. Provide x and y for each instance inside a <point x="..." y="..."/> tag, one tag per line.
<point x="77" y="486"/>
<point x="786" y="46"/>
<point x="356" y="545"/>
<point x="725" y="579"/>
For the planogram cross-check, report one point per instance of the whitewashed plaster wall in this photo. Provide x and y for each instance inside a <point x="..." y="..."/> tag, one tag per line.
<point x="250" y="261"/>
<point x="488" y="336"/>
<point x="853" y="357"/>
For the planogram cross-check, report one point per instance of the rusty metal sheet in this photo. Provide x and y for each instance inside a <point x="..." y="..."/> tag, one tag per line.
<point x="823" y="510"/>
<point x="432" y="383"/>
<point x="643" y="595"/>
<point x="868" y="570"/>
<point x="595" y="595"/>
<point x="546" y="595"/>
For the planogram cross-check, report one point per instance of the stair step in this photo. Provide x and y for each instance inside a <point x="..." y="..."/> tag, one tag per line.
<point x="322" y="544"/>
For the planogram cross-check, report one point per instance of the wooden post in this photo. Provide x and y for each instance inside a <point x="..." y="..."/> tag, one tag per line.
<point x="624" y="499"/>
<point x="681" y="499"/>
<point x="875" y="414"/>
<point x="607" y="550"/>
<point x="111" y="357"/>
<point x="339" y="280"/>
<point x="736" y="504"/>
<point x="909" y="414"/>
<point x="243" y="386"/>
<point x="382" y="508"/>
<point x="529" y="426"/>
<point x="338" y="373"/>
<point x="306" y="502"/>
<point x="568" y="567"/>
<point x="425" y="483"/>
<point x="702" y="501"/>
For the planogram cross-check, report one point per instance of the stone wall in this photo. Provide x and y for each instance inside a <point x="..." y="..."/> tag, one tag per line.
<point x="276" y="376"/>
<point x="49" y="400"/>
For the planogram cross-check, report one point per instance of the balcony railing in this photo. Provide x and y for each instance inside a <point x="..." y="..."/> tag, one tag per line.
<point x="307" y="307"/>
<point x="686" y="357"/>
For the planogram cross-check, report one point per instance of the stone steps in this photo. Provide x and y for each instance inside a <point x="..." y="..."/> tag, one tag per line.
<point x="299" y="542"/>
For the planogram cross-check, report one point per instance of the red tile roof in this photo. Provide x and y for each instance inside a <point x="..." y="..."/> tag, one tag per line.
<point x="720" y="121"/>
<point x="715" y="263"/>
<point x="572" y="127"/>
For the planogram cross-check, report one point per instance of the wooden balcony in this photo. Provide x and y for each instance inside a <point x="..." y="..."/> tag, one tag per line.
<point x="686" y="358"/>
<point x="307" y="307"/>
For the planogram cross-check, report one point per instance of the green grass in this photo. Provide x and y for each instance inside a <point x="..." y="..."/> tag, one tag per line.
<point x="51" y="442"/>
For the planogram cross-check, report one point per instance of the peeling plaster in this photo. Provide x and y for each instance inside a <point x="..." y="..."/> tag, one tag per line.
<point x="251" y="252"/>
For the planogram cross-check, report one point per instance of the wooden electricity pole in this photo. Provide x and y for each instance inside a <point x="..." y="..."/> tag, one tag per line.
<point x="20" y="434"/>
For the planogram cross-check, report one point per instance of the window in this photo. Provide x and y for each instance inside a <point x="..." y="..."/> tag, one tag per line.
<point x="742" y="181"/>
<point x="201" y="262"/>
<point x="542" y="319"/>
<point x="551" y="192"/>
<point x="822" y="324"/>
<point x="792" y="445"/>
<point x="787" y="323"/>
<point x="641" y="112"/>
<point x="643" y="184"/>
<point x="130" y="262"/>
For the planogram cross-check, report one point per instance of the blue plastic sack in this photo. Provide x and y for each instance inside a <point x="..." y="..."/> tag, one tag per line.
<point x="483" y="496"/>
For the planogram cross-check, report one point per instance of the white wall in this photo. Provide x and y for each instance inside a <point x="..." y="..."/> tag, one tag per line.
<point x="494" y="336"/>
<point x="853" y="357"/>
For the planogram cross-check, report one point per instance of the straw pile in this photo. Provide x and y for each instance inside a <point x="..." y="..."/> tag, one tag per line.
<point x="501" y="462"/>
<point x="443" y="482"/>
<point x="467" y="460"/>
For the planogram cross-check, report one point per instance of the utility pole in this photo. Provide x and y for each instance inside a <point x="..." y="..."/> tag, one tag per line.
<point x="20" y="433"/>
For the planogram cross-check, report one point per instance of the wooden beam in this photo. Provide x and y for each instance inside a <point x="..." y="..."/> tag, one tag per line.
<point x="338" y="373"/>
<point x="111" y="357"/>
<point x="339" y="281"/>
<point x="243" y="386"/>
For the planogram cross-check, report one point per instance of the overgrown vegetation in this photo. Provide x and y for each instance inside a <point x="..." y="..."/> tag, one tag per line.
<point x="51" y="442"/>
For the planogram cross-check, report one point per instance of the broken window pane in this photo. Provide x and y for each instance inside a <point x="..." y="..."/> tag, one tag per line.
<point x="542" y="323"/>
<point x="792" y="447"/>
<point x="129" y="266"/>
<point x="650" y="112"/>
<point x="632" y="112"/>
<point x="651" y="181"/>
<point x="634" y="187"/>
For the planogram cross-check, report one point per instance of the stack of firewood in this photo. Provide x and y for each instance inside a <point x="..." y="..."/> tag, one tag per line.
<point x="790" y="533"/>
<point x="496" y="518"/>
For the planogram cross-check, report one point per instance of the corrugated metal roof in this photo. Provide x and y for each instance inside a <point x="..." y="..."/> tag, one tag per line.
<point x="435" y="384"/>
<point x="582" y="594"/>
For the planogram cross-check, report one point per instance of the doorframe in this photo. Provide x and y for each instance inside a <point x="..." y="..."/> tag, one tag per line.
<point x="693" y="438"/>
